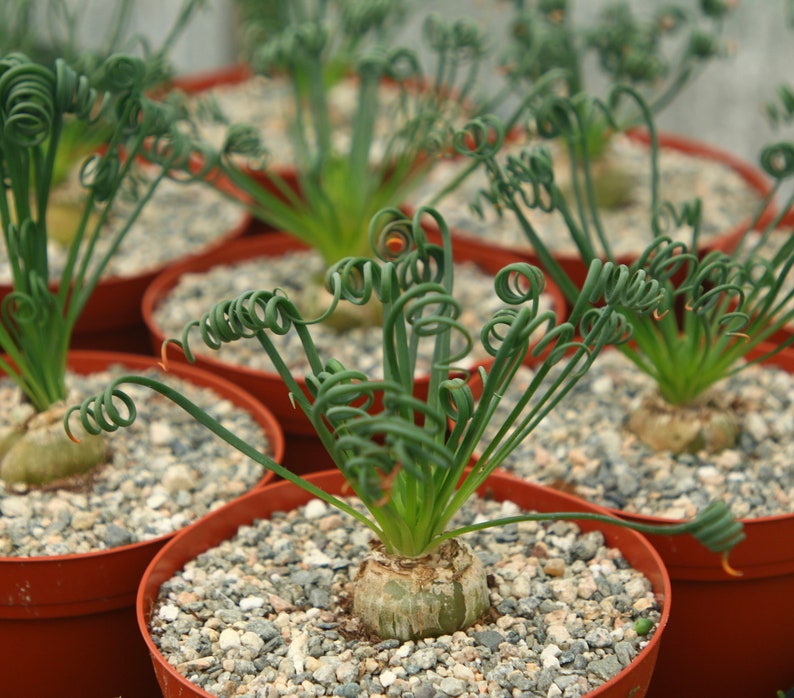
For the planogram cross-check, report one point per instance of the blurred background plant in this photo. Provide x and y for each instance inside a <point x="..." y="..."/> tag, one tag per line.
<point x="658" y="51"/>
<point x="341" y="174"/>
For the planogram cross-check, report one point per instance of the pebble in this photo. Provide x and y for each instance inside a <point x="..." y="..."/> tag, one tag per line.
<point x="303" y="652"/>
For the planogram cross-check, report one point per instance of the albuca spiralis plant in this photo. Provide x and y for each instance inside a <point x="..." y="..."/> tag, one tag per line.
<point x="723" y="308"/>
<point x="351" y="24"/>
<point x="37" y="103"/>
<point x="407" y="459"/>
<point x="345" y="174"/>
<point x="658" y="53"/>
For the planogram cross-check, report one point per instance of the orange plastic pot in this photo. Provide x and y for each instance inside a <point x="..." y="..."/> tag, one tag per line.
<point x="220" y="525"/>
<point x="268" y="386"/>
<point x="67" y="622"/>
<point x="730" y="637"/>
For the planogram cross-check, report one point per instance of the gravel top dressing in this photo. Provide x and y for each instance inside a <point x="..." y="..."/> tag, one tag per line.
<point x="166" y="471"/>
<point x="584" y="445"/>
<point x="262" y="615"/>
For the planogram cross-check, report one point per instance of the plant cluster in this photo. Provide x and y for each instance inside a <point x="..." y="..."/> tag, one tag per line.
<point x="37" y="103"/>
<point x="404" y="109"/>
<point x="657" y="55"/>
<point x="410" y="460"/>
<point x="719" y="310"/>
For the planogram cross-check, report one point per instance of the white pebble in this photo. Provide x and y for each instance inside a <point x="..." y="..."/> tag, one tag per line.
<point x="160" y="433"/>
<point x="83" y="520"/>
<point x="229" y="639"/>
<point x="252" y="641"/>
<point x="15" y="507"/>
<point x="156" y="500"/>
<point x="316" y="509"/>
<point x="251" y="602"/>
<point x="178" y="477"/>
<point x="548" y="657"/>
<point x="168" y="612"/>
<point x="387" y="678"/>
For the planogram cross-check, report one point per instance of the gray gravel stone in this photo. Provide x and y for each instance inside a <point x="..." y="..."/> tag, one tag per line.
<point x="312" y="650"/>
<point x="127" y="502"/>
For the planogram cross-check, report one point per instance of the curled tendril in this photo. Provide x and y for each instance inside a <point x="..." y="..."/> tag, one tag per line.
<point x="555" y="117"/>
<point x="520" y="283"/>
<point x="479" y="138"/>
<point x="664" y="258"/>
<point x="374" y="63"/>
<point x="27" y="109"/>
<point x="356" y="279"/>
<point x="517" y="327"/>
<point x="245" y="140"/>
<point x="716" y="528"/>
<point x="403" y="65"/>
<point x="362" y="16"/>
<point x="293" y="45"/>
<point x="425" y="265"/>
<point x="122" y="73"/>
<point x="716" y="277"/>
<point x="100" y="413"/>
<point x="337" y="388"/>
<point x="391" y="235"/>
<point x="443" y="315"/>
<point x="457" y="399"/>
<point x="73" y="93"/>
<point x="603" y="326"/>
<point x="532" y="167"/>
<point x="242" y="317"/>
<point x="461" y="37"/>
<point x="777" y="160"/>
<point x="19" y="308"/>
<point x="621" y="287"/>
<point x="101" y="174"/>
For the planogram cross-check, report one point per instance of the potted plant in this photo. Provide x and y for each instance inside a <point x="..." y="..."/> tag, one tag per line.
<point x="411" y="473"/>
<point x="725" y="314"/>
<point x="638" y="53"/>
<point x="342" y="173"/>
<point x="56" y="594"/>
<point x="111" y="319"/>
<point x="647" y="53"/>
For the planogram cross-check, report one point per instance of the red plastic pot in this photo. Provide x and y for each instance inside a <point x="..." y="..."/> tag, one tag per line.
<point x="730" y="637"/>
<point x="67" y="622"/>
<point x="632" y="681"/>
<point x="268" y="386"/>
